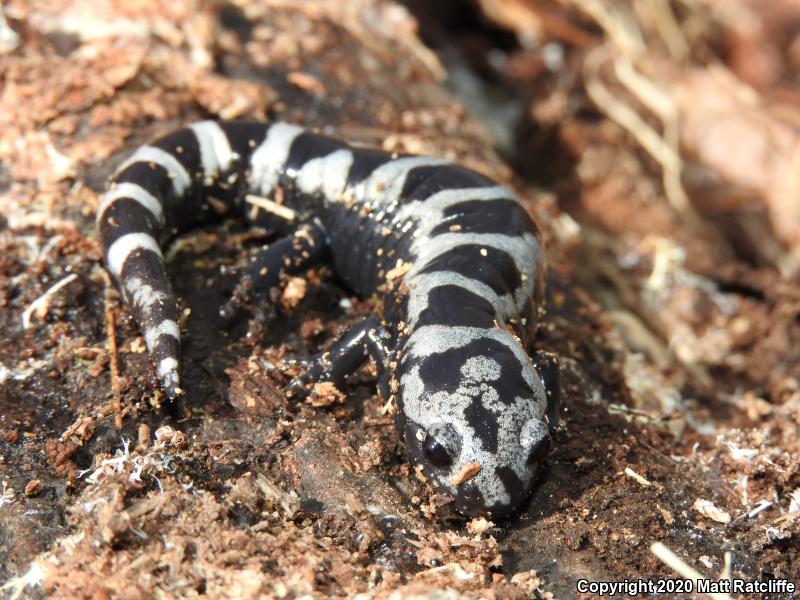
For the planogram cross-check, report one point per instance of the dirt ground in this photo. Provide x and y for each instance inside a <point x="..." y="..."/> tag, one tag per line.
<point x="654" y="142"/>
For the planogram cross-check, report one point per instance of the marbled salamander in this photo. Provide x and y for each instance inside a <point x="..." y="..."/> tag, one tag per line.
<point x="455" y="258"/>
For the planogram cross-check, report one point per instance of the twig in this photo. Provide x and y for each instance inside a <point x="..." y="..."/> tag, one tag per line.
<point x="727" y="572"/>
<point x="623" y="33"/>
<point x="662" y="105"/>
<point x="762" y="506"/>
<point x="668" y="28"/>
<point x="674" y="562"/>
<point x="15" y="586"/>
<point x="42" y="303"/>
<point x="271" y="206"/>
<point x="112" y="352"/>
<point x="644" y="89"/>
<point x="536" y="21"/>
<point x="627" y="38"/>
<point x="624" y="115"/>
<point x="663" y="148"/>
<point x="637" y="478"/>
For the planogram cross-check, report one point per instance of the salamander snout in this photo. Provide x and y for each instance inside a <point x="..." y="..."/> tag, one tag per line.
<point x="481" y="483"/>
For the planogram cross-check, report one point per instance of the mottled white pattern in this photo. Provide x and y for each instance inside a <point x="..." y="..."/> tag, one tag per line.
<point x="126" y="245"/>
<point x="532" y="432"/>
<point x="481" y="368"/>
<point x="165" y="327"/>
<point x="326" y="175"/>
<point x="434" y="339"/>
<point x="269" y="158"/>
<point x="150" y="154"/>
<point x="134" y="192"/>
<point x="215" y="150"/>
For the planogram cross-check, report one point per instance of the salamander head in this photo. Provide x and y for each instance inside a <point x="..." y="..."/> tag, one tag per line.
<point x="477" y="405"/>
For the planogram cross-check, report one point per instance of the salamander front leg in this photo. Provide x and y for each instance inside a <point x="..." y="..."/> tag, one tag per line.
<point x="368" y="339"/>
<point x="288" y="256"/>
<point x="546" y="364"/>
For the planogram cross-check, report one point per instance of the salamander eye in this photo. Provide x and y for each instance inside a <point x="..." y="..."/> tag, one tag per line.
<point x="442" y="445"/>
<point x="436" y="453"/>
<point x="540" y="449"/>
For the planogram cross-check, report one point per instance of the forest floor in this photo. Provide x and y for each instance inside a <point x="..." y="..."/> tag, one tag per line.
<point x="656" y="148"/>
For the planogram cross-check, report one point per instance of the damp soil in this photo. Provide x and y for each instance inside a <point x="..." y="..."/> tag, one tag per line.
<point x="678" y="346"/>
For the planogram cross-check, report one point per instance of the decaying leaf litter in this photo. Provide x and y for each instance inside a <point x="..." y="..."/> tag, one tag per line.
<point x="656" y="149"/>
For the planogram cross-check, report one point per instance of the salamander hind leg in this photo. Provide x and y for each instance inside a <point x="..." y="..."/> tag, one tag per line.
<point x="368" y="339"/>
<point x="266" y="269"/>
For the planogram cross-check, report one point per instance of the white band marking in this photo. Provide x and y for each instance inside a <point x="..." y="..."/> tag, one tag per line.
<point x="150" y="154"/>
<point x="384" y="185"/>
<point x="166" y="327"/>
<point x="421" y="285"/>
<point x="167" y="366"/>
<point x="269" y="158"/>
<point x="326" y="175"/>
<point x="524" y="249"/>
<point x="123" y="247"/>
<point x="135" y="192"/>
<point x="215" y="150"/>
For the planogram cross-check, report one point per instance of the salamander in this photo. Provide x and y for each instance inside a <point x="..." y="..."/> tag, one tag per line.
<point x="455" y="259"/>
